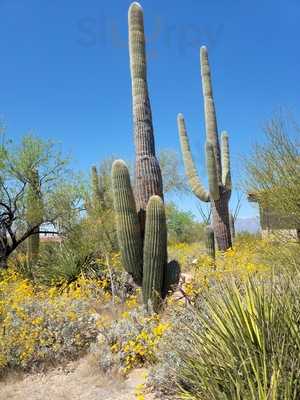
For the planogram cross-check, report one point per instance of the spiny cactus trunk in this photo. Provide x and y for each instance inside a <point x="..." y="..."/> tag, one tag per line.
<point x="97" y="196"/>
<point x="34" y="217"/>
<point x="171" y="277"/>
<point x="220" y="221"/>
<point x="210" y="242"/>
<point x="128" y="227"/>
<point x="3" y="260"/>
<point x="33" y="247"/>
<point x="210" y="111"/>
<point x="155" y="252"/>
<point x="148" y="179"/>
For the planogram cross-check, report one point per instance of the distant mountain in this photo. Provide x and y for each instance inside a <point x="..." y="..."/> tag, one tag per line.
<point x="247" y="224"/>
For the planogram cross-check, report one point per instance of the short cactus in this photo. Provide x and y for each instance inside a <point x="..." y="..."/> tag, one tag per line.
<point x="97" y="195"/>
<point x="210" y="242"/>
<point x="128" y="227"/>
<point x="217" y="162"/>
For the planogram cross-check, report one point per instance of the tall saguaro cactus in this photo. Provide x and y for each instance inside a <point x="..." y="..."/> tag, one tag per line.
<point x="148" y="178"/>
<point x="34" y="216"/>
<point x="97" y="195"/>
<point x="217" y="162"/>
<point x="140" y="216"/>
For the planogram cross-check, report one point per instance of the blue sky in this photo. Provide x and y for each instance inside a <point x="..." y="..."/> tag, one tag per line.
<point x="65" y="72"/>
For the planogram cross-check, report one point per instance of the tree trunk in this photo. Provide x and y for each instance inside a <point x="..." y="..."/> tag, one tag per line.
<point x="3" y="261"/>
<point x="220" y="221"/>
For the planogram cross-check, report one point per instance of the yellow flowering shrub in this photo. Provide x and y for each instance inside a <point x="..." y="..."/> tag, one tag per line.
<point x="186" y="254"/>
<point x="246" y="258"/>
<point x="41" y="324"/>
<point x="131" y="341"/>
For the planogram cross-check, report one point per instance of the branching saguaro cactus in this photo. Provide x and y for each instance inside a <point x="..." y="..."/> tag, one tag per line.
<point x="140" y="216"/>
<point x="217" y="162"/>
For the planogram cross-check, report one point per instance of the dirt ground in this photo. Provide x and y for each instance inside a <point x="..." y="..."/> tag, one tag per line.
<point x="80" y="380"/>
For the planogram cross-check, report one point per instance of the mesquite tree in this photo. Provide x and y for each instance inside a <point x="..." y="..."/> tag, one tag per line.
<point x="36" y="189"/>
<point x="217" y="162"/>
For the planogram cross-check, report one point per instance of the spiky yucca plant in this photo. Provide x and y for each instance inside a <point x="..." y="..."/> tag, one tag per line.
<point x="247" y="345"/>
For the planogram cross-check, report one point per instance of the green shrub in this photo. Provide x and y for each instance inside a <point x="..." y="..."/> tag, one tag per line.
<point x="130" y="341"/>
<point x="62" y="263"/>
<point x="182" y="226"/>
<point x="42" y="326"/>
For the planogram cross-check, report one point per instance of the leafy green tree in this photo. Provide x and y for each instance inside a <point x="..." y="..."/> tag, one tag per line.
<point x="182" y="226"/>
<point x="173" y="179"/>
<point x="60" y="193"/>
<point x="273" y="170"/>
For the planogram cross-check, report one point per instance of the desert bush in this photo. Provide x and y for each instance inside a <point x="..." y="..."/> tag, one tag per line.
<point x="273" y="170"/>
<point x="186" y="254"/>
<point x="182" y="226"/>
<point x="64" y="264"/>
<point x="130" y="341"/>
<point x="41" y="325"/>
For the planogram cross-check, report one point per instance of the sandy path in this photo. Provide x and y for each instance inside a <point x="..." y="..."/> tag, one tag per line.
<point x="79" y="381"/>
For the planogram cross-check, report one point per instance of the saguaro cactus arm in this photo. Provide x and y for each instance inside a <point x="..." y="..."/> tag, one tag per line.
<point x="214" y="191"/>
<point x="128" y="227"/>
<point x="209" y="109"/>
<point x="155" y="252"/>
<point x="226" y="175"/>
<point x="190" y="169"/>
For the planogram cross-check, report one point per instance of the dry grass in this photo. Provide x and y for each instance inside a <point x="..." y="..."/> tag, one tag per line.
<point x="81" y="380"/>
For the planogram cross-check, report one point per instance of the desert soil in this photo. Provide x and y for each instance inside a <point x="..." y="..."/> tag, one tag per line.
<point x="80" y="380"/>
